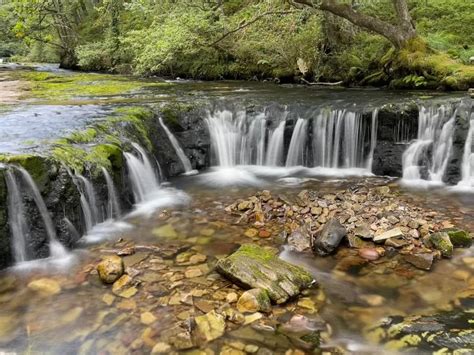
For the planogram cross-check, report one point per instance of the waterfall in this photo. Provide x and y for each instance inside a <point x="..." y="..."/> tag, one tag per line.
<point x="141" y="173"/>
<point x="113" y="205"/>
<point x="297" y="147"/>
<point x="16" y="219"/>
<point x="467" y="168"/>
<point x="88" y="202"/>
<point x="55" y="247"/>
<point x="275" y="145"/>
<point x="179" y="151"/>
<point x="373" y="138"/>
<point x="339" y="139"/>
<point x="435" y="130"/>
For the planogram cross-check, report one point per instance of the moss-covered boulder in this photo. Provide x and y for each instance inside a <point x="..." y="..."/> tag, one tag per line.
<point x="252" y="266"/>
<point x="459" y="238"/>
<point x="441" y="242"/>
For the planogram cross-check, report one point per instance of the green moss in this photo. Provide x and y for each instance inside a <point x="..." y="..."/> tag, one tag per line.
<point x="459" y="238"/>
<point x="85" y="136"/>
<point x="65" y="86"/>
<point x="441" y="242"/>
<point x="36" y="165"/>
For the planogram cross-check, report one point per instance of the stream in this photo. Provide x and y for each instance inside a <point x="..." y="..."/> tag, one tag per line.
<point x="283" y="139"/>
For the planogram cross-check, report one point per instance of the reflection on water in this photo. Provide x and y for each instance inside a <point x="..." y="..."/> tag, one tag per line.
<point x="67" y="309"/>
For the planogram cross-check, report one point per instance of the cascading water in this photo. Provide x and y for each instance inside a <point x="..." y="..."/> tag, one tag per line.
<point x="188" y="169"/>
<point x="467" y="167"/>
<point x="142" y="175"/>
<point x="113" y="205"/>
<point x="435" y="131"/>
<point x="339" y="139"/>
<point x="16" y="219"/>
<point x="56" y="249"/>
<point x="297" y="147"/>
<point x="88" y="202"/>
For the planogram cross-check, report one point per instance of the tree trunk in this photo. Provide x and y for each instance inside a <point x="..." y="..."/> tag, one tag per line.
<point x="398" y="34"/>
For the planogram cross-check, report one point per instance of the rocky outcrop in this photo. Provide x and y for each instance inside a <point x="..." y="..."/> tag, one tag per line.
<point x="252" y="266"/>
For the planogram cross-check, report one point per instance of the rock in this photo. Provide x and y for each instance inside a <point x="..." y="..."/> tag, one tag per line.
<point x="45" y="286"/>
<point x="363" y="232"/>
<point x="355" y="242"/>
<point x="441" y="242"/>
<point x="383" y="190"/>
<point x="252" y="318"/>
<point x="245" y="205"/>
<point x="231" y="297"/>
<point x="166" y="231"/>
<point x="119" y="285"/>
<point x="147" y="318"/>
<point x="110" y="268"/>
<point x="193" y="272"/>
<point x="108" y="299"/>
<point x="264" y="233"/>
<point x="459" y="238"/>
<point x="161" y="348"/>
<point x="420" y="260"/>
<point x="328" y="238"/>
<point x="254" y="300"/>
<point x="210" y="326"/>
<point x="252" y="266"/>
<point x="129" y="292"/>
<point x="396" y="242"/>
<point x="392" y="233"/>
<point x="299" y="240"/>
<point x="251" y="232"/>
<point x="369" y="253"/>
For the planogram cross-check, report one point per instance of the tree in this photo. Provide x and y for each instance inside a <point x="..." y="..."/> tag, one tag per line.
<point x="399" y="34"/>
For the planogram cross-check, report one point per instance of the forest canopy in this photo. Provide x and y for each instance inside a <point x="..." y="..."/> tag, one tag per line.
<point x="404" y="43"/>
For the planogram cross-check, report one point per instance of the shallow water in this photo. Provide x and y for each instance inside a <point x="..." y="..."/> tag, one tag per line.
<point x="77" y="318"/>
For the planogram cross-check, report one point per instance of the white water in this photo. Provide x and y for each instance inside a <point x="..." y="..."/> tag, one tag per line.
<point x="141" y="174"/>
<point x="16" y="219"/>
<point x="275" y="145"/>
<point x="435" y="131"/>
<point x="188" y="169"/>
<point x="113" y="205"/>
<point x="467" y="168"/>
<point x="56" y="249"/>
<point x="297" y="144"/>
<point x="88" y="202"/>
<point x="373" y="138"/>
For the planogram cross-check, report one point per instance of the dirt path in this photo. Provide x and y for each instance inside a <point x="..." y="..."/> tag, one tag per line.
<point x="10" y="90"/>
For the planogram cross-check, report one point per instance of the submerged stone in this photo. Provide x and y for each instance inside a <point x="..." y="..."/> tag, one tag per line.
<point x="328" y="238"/>
<point x="110" y="268"/>
<point x="441" y="242"/>
<point x="252" y="266"/>
<point x="421" y="260"/>
<point x="45" y="286"/>
<point x="254" y="300"/>
<point x="459" y="238"/>
<point x="210" y="326"/>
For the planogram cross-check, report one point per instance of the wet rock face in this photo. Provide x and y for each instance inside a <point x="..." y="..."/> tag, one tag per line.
<point x="327" y="240"/>
<point x="252" y="266"/>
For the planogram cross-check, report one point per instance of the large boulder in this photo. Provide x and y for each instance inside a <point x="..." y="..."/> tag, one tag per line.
<point x="328" y="238"/>
<point x="252" y="266"/>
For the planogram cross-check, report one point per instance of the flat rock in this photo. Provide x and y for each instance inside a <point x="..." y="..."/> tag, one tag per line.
<point x="420" y="260"/>
<point x="210" y="326"/>
<point x="328" y="238"/>
<point x="45" y="286"/>
<point x="392" y="233"/>
<point x="252" y="266"/>
<point x="299" y="240"/>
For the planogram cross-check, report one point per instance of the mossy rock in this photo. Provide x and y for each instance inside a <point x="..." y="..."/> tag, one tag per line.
<point x="441" y="242"/>
<point x="38" y="166"/>
<point x="459" y="238"/>
<point x="252" y="266"/>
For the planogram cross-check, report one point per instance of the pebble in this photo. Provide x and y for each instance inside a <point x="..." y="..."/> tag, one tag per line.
<point x="369" y="253"/>
<point x="147" y="318"/>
